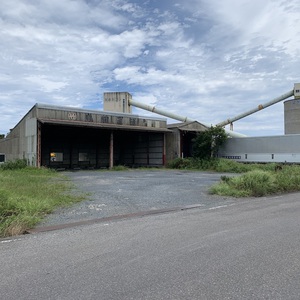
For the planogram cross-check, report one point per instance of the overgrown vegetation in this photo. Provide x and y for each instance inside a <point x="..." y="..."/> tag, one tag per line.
<point x="119" y="168"/>
<point x="14" y="165"/>
<point x="207" y="144"/>
<point x="27" y="194"/>
<point x="218" y="165"/>
<point x="259" y="183"/>
<point x="255" y="180"/>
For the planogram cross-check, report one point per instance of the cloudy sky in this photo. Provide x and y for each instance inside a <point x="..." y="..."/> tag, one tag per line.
<point x="205" y="59"/>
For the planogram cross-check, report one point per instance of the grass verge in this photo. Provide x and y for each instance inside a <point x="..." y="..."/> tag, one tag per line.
<point x="256" y="180"/>
<point x="28" y="194"/>
<point x="257" y="183"/>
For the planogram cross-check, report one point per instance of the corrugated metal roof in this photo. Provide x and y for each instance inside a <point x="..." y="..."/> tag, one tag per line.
<point x="101" y="125"/>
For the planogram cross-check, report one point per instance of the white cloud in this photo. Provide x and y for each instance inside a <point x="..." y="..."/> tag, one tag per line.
<point x="45" y="84"/>
<point x="202" y="59"/>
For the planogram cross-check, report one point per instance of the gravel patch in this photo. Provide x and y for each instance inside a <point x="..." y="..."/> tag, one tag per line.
<point x="111" y="193"/>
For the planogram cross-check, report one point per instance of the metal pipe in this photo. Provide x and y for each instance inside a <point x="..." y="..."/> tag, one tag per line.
<point x="176" y="117"/>
<point x="160" y="111"/>
<point x="260" y="107"/>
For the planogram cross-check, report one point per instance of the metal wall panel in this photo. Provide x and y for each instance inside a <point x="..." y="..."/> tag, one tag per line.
<point x="284" y="148"/>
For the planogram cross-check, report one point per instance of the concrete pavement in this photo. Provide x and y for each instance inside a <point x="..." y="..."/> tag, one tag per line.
<point x="246" y="250"/>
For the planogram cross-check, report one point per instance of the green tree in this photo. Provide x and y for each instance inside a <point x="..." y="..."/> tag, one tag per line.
<point x="207" y="143"/>
<point x="2" y="136"/>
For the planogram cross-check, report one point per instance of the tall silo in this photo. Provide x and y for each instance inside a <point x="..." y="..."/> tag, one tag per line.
<point x="292" y="112"/>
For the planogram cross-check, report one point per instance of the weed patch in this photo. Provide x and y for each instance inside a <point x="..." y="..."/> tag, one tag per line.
<point x="259" y="183"/>
<point x="14" y="165"/>
<point x="119" y="168"/>
<point x="27" y="195"/>
<point x="256" y="180"/>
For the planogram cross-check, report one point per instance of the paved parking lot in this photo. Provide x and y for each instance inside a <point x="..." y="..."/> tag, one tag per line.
<point x="111" y="193"/>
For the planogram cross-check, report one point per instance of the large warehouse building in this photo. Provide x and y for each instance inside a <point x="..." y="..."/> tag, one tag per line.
<point x="71" y="138"/>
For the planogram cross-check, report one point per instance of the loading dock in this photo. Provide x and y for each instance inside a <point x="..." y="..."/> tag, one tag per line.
<point x="84" y="147"/>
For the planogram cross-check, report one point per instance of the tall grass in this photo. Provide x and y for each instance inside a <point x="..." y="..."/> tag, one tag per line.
<point x="27" y="195"/>
<point x="256" y="179"/>
<point x="259" y="183"/>
<point x="218" y="165"/>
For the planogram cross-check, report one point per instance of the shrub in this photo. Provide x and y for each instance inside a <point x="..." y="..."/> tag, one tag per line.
<point x="14" y="164"/>
<point x="207" y="143"/>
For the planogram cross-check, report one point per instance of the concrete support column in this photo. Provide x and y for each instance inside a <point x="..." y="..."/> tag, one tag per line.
<point x="111" y="151"/>
<point x="180" y="144"/>
<point x="39" y="145"/>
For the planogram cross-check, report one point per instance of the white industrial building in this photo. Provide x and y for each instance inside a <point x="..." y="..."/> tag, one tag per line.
<point x="279" y="149"/>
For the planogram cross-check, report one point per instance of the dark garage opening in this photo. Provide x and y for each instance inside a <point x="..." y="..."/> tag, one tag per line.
<point x="73" y="147"/>
<point x="187" y="143"/>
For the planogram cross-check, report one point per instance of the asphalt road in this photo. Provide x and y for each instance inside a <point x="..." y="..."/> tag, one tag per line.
<point x="116" y="193"/>
<point x="245" y="250"/>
